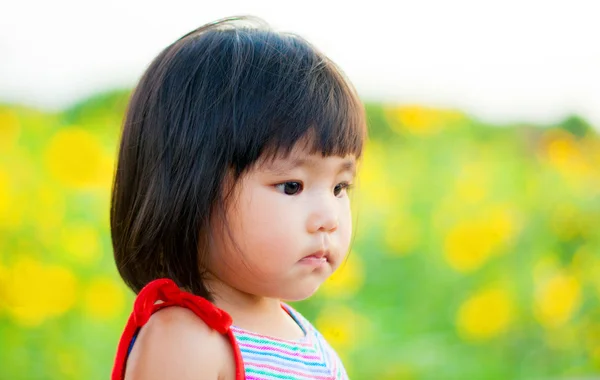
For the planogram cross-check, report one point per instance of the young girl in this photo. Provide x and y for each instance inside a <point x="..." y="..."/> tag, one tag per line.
<point x="238" y="149"/>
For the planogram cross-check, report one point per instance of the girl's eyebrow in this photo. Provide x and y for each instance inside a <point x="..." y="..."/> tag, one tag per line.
<point x="348" y="165"/>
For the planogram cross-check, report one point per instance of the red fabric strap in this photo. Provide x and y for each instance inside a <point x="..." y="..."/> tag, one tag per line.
<point x="168" y="292"/>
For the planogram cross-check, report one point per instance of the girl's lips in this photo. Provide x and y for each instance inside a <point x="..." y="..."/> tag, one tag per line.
<point x="317" y="258"/>
<point x="314" y="260"/>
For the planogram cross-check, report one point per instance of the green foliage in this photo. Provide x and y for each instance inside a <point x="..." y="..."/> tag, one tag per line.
<point x="475" y="257"/>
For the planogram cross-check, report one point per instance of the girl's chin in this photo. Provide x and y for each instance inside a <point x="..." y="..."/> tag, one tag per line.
<point x="299" y="294"/>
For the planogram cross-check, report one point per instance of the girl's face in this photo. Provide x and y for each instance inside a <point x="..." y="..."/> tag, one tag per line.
<point x="289" y="226"/>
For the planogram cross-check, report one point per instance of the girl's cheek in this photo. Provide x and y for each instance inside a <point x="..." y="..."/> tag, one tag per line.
<point x="346" y="224"/>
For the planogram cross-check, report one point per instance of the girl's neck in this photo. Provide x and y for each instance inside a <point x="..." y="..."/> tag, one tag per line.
<point x="237" y="302"/>
<point x="258" y="314"/>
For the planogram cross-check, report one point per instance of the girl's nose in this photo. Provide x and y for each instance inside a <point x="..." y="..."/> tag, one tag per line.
<point x="323" y="217"/>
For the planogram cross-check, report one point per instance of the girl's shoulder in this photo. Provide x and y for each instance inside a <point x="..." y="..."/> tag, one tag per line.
<point x="175" y="343"/>
<point x="175" y="334"/>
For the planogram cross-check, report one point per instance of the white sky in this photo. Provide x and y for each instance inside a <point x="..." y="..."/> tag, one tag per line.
<point x="503" y="61"/>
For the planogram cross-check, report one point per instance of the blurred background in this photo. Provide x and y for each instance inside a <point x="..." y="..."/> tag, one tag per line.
<point x="477" y="244"/>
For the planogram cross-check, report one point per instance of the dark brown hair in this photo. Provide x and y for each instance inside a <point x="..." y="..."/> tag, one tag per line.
<point x="213" y="102"/>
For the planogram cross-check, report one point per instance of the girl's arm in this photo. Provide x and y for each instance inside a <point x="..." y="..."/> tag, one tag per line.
<point x="176" y="344"/>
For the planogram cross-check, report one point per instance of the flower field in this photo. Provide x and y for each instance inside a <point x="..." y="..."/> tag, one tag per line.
<point x="476" y="252"/>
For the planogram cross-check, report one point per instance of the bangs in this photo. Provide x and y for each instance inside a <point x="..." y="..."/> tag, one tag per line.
<point x="330" y="121"/>
<point x="288" y="93"/>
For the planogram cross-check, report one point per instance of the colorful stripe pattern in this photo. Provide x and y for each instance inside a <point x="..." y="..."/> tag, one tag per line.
<point x="267" y="358"/>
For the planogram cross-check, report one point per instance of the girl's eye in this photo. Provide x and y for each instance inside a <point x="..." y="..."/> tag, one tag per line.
<point x="340" y="187"/>
<point x="290" y="188"/>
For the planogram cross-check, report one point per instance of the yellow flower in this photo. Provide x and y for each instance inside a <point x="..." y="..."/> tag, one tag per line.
<point x="9" y="129"/>
<point x="104" y="298"/>
<point x="106" y="172"/>
<point x="372" y="165"/>
<point x="469" y="244"/>
<point x="503" y="224"/>
<point x="48" y="208"/>
<point x="485" y="315"/>
<point x="11" y="212"/>
<point x="556" y="299"/>
<point x="562" y="149"/>
<point x="35" y="292"/>
<point x="346" y="280"/>
<point x="21" y="292"/>
<point x="567" y="156"/>
<point x="75" y="157"/>
<point x="5" y="196"/>
<point x="342" y="327"/>
<point x="422" y="121"/>
<point x="375" y="192"/>
<point x="60" y="290"/>
<point x="593" y="146"/>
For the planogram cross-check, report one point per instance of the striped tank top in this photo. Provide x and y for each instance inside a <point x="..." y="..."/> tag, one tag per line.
<point x="267" y="358"/>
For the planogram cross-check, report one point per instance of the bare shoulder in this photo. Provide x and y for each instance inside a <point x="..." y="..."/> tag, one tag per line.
<point x="177" y="344"/>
